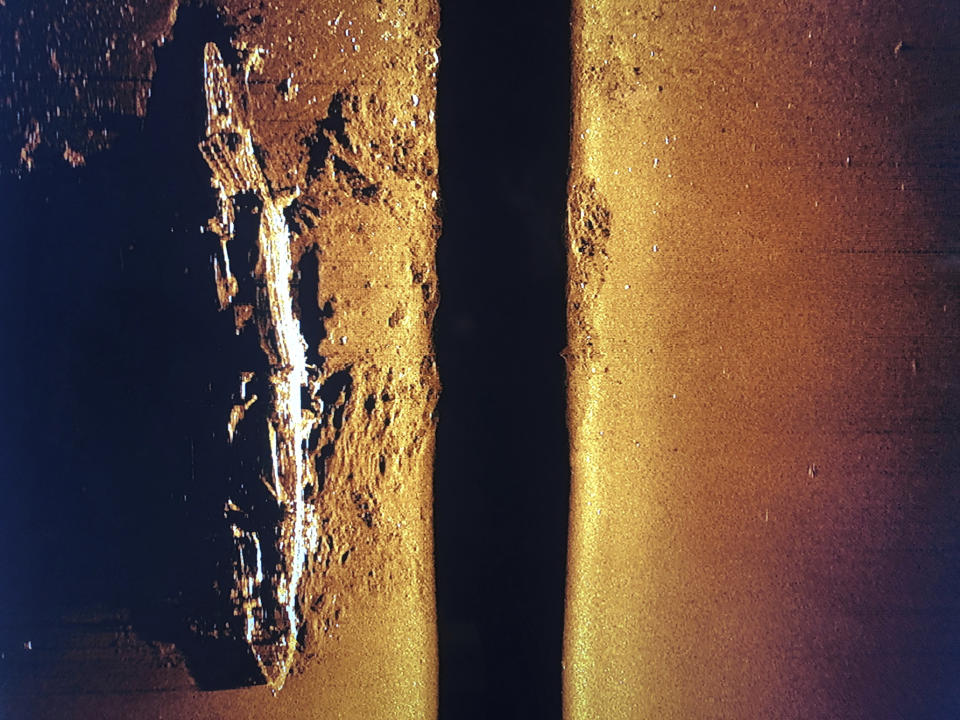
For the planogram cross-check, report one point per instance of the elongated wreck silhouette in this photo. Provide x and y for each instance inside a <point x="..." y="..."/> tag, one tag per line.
<point x="266" y="596"/>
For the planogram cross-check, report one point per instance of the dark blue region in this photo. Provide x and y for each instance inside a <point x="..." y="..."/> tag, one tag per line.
<point x="112" y="354"/>
<point x="502" y="468"/>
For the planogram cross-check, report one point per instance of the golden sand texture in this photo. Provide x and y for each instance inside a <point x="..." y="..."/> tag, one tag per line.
<point x="762" y="326"/>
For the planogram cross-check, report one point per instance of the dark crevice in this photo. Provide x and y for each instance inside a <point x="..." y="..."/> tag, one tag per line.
<point x="319" y="145"/>
<point x="300" y="215"/>
<point x="308" y="304"/>
<point x="244" y="247"/>
<point x="335" y="122"/>
<point x="320" y="151"/>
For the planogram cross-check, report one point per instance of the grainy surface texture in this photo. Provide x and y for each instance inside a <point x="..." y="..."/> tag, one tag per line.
<point x="763" y="320"/>
<point x="312" y="384"/>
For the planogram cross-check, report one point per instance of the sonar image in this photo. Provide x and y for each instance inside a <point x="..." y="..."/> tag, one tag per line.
<point x="480" y="360"/>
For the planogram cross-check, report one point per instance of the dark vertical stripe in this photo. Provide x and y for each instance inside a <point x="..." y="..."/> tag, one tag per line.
<point x="502" y="471"/>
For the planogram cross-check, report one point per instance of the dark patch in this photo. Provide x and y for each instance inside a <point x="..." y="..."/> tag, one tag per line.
<point x="54" y="71"/>
<point x="314" y="438"/>
<point x="319" y="144"/>
<point x="144" y="369"/>
<point x="338" y="417"/>
<point x="311" y="315"/>
<point x="367" y="193"/>
<point x="220" y="662"/>
<point x="517" y="406"/>
<point x="244" y="247"/>
<point x="336" y="385"/>
<point x="323" y="153"/>
<point x="300" y="215"/>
